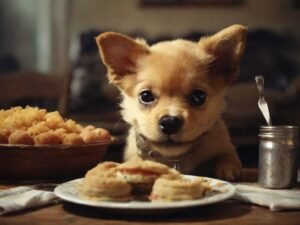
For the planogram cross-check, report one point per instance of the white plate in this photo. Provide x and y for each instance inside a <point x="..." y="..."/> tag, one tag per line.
<point x="221" y="191"/>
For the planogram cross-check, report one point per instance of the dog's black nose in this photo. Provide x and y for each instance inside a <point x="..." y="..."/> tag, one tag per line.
<point x="170" y="124"/>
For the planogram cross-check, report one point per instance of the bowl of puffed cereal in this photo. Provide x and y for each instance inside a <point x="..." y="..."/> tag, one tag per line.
<point x="36" y="144"/>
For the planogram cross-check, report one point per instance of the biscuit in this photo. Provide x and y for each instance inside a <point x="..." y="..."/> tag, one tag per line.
<point x="141" y="174"/>
<point x="110" y="181"/>
<point x="102" y="184"/>
<point x="167" y="190"/>
<point x="172" y="174"/>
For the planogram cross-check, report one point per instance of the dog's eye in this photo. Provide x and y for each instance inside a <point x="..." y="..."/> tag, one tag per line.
<point x="197" y="97"/>
<point x="146" y="97"/>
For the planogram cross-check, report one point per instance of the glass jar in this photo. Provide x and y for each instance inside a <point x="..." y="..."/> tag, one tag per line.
<point x="278" y="156"/>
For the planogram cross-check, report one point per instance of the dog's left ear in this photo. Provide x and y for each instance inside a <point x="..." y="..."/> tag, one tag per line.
<point x="226" y="49"/>
<point x="120" y="54"/>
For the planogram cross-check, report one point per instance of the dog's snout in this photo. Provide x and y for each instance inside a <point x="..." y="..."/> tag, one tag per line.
<point x="170" y="124"/>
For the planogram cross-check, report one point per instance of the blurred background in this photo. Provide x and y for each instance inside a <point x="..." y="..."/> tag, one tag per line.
<point x="48" y="56"/>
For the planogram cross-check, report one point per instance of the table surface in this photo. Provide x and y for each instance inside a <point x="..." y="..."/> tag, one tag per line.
<point x="226" y="212"/>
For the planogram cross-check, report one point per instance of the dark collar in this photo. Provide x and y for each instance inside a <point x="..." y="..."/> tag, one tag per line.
<point x="146" y="152"/>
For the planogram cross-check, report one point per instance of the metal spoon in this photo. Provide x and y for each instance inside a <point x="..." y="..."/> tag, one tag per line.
<point x="262" y="103"/>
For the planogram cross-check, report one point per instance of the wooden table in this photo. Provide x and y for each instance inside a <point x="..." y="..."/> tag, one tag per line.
<point x="229" y="212"/>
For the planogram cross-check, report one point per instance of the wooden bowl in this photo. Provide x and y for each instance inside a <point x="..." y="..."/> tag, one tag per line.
<point x="49" y="162"/>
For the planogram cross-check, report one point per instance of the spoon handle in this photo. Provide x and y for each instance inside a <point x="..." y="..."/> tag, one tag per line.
<point x="260" y="84"/>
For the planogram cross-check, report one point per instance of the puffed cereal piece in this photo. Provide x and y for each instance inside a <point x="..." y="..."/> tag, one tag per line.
<point x="61" y="132"/>
<point x="94" y="136"/>
<point x="5" y="132"/>
<point x="32" y="115"/>
<point x="3" y="139"/>
<point x="71" y="126"/>
<point x="103" y="134"/>
<point x="89" y="127"/>
<point x="79" y="127"/>
<point x="20" y="137"/>
<point x="15" y="121"/>
<point x="89" y="136"/>
<point x="73" y="139"/>
<point x="38" y="128"/>
<point x="47" y="138"/>
<point x="54" y="120"/>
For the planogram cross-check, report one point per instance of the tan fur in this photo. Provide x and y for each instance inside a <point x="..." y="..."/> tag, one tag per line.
<point x="172" y="70"/>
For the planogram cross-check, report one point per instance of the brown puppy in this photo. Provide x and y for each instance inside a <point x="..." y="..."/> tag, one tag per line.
<point x="173" y="95"/>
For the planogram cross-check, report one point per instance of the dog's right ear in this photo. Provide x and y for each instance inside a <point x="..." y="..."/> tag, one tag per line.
<point x="226" y="49"/>
<point x="120" y="54"/>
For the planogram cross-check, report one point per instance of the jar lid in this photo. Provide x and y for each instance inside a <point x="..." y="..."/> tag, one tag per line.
<point x="279" y="131"/>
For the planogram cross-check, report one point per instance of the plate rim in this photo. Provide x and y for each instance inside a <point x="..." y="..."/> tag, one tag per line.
<point x="142" y="206"/>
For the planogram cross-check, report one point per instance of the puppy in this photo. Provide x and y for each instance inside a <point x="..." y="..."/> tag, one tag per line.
<point x="173" y="96"/>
